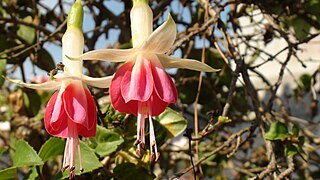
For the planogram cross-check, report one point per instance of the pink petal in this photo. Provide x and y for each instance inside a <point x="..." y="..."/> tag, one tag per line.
<point x="163" y="84"/>
<point x="157" y="105"/>
<point x="75" y="103"/>
<point x="92" y="118"/>
<point x="59" y="127"/>
<point x="115" y="92"/>
<point x="138" y="85"/>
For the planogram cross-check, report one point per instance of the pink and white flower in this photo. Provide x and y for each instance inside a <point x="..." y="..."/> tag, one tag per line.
<point x="141" y="85"/>
<point x="71" y="111"/>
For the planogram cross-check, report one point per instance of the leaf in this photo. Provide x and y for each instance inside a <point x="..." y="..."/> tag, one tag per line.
<point x="90" y="161"/>
<point x="25" y="155"/>
<point x="128" y="171"/>
<point x="106" y="141"/>
<point x="174" y="122"/>
<point x="32" y="101"/>
<point x="51" y="148"/>
<point x="27" y="33"/>
<point x="9" y="173"/>
<point x="295" y="130"/>
<point x="44" y="60"/>
<point x="2" y="150"/>
<point x="277" y="131"/>
<point x="290" y="150"/>
<point x="32" y="174"/>
<point x="3" y="65"/>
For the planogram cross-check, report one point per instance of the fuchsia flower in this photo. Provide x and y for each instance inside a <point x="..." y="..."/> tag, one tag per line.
<point x="71" y="111"/>
<point x="141" y="86"/>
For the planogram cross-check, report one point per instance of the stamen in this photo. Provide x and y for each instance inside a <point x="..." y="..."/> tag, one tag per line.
<point x="64" y="168"/>
<point x="66" y="156"/>
<point x="80" y="159"/>
<point x="153" y="144"/>
<point x="138" y="152"/>
<point x="137" y="142"/>
<point x="142" y="146"/>
<point x="152" y="157"/>
<point x="72" y="173"/>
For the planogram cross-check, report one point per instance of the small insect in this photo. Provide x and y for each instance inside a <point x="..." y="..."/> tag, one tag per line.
<point x="54" y="71"/>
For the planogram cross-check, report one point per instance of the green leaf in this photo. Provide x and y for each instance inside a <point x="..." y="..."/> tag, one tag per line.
<point x="295" y="130"/>
<point x="32" y="174"/>
<point x="32" y="101"/>
<point x="174" y="122"/>
<point x="9" y="173"/>
<point x="45" y="60"/>
<point x="3" y="65"/>
<point x="106" y="141"/>
<point x="51" y="148"/>
<point x="27" y="33"/>
<point x="25" y="155"/>
<point x="277" y="131"/>
<point x="2" y="150"/>
<point x="90" y="161"/>
<point x="128" y="171"/>
<point x="301" y="28"/>
<point x="290" y="150"/>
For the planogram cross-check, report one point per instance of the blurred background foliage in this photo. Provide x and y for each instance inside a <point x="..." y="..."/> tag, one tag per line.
<point x="235" y="128"/>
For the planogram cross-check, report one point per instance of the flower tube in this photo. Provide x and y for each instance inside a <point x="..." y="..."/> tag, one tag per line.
<point x="141" y="85"/>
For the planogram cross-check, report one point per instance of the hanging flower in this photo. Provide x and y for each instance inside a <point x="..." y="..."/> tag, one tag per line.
<point x="141" y="85"/>
<point x="71" y="111"/>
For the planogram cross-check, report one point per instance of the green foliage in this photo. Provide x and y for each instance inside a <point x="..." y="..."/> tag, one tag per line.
<point x="32" y="101"/>
<point x="106" y="141"/>
<point x="128" y="171"/>
<point x="9" y="173"/>
<point x="25" y="32"/>
<point x="290" y="150"/>
<point x="2" y="150"/>
<point x="173" y="121"/>
<point x="51" y="148"/>
<point x="25" y="155"/>
<point x="44" y="60"/>
<point x="3" y="65"/>
<point x="277" y="131"/>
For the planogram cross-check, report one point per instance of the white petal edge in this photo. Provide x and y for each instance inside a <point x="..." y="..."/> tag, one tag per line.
<point x="49" y="85"/>
<point x="161" y="40"/>
<point x="111" y="55"/>
<point x="97" y="82"/>
<point x="171" y="62"/>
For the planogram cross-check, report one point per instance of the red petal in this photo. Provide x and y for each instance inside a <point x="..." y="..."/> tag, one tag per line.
<point x="116" y="95"/>
<point x="138" y="85"/>
<point x="92" y="118"/>
<point x="163" y="84"/>
<point x="59" y="126"/>
<point x="75" y="103"/>
<point x="157" y="105"/>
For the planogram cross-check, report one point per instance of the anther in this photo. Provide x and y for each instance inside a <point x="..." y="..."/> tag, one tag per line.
<point x="64" y="168"/>
<point x="72" y="168"/>
<point x="152" y="157"/>
<point x="137" y="142"/>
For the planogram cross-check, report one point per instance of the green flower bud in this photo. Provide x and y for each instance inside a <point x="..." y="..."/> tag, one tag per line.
<point x="75" y="16"/>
